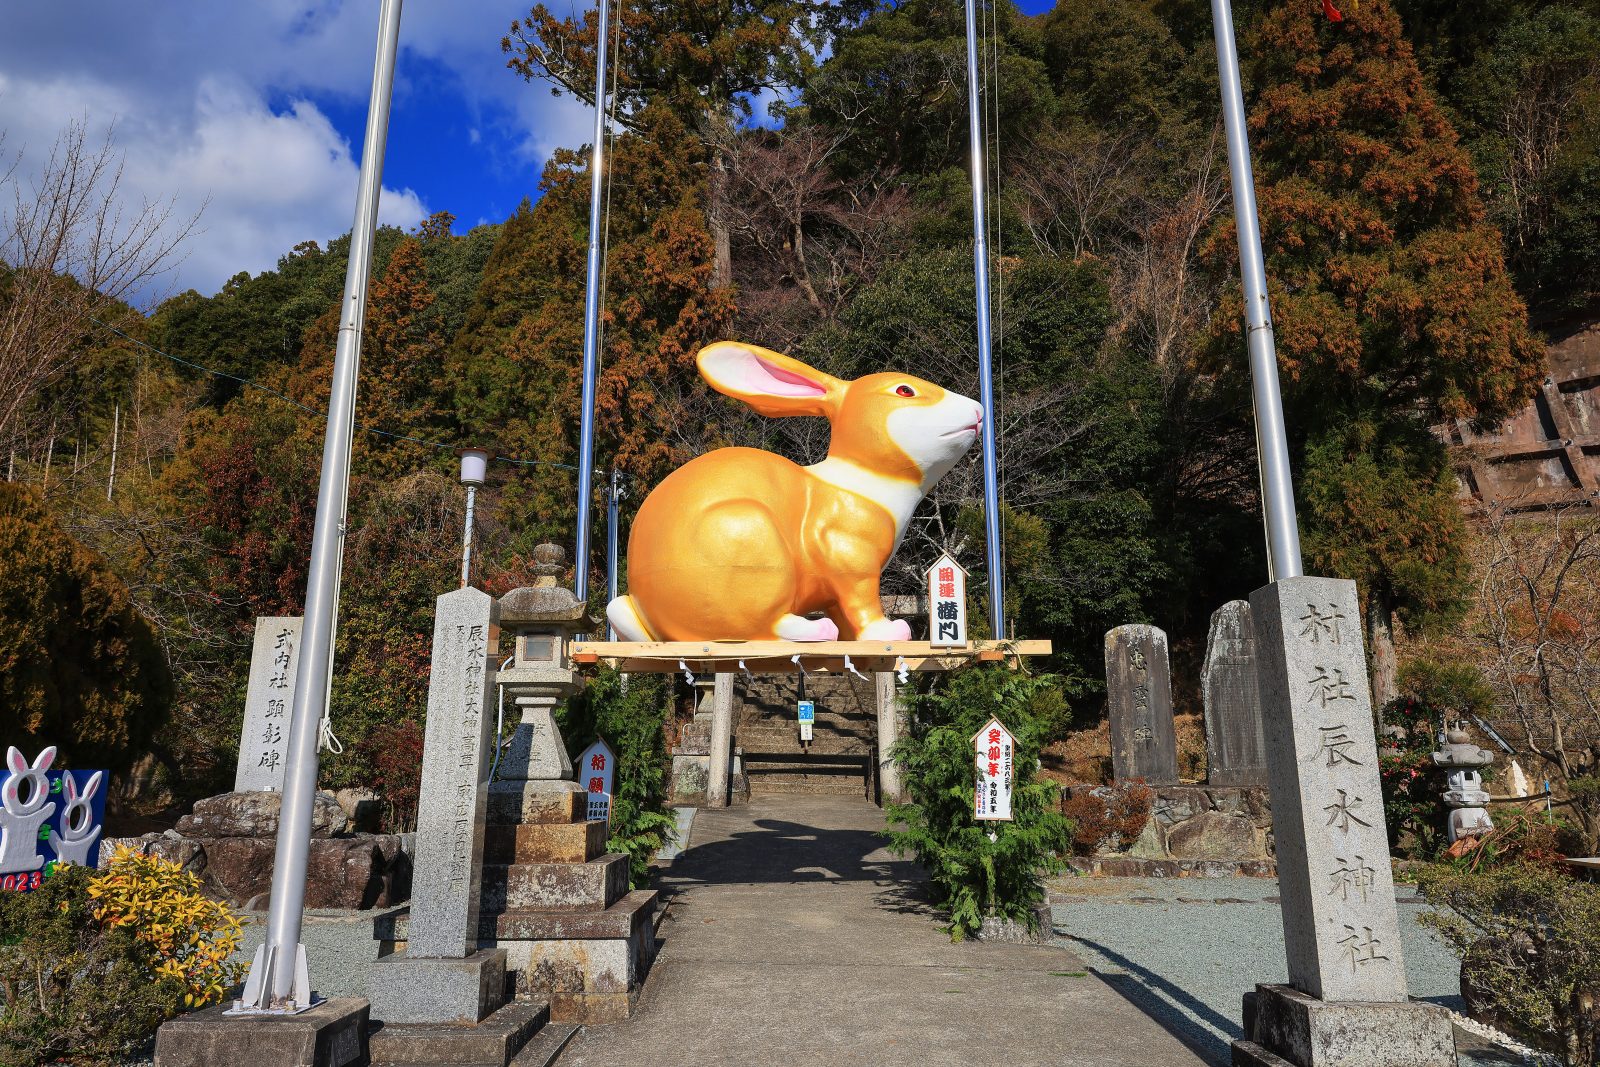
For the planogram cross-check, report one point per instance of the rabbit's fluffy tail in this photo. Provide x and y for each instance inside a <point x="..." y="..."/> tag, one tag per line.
<point x="625" y="619"/>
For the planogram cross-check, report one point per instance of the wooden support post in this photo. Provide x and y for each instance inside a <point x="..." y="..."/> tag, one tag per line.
<point x="888" y="693"/>
<point x="721" y="742"/>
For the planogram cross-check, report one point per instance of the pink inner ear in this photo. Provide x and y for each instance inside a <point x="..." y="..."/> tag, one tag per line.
<point x="758" y="376"/>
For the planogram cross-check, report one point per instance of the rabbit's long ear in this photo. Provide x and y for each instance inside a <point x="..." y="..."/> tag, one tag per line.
<point x="773" y="384"/>
<point x="15" y="761"/>
<point x="94" y="783"/>
<point x="46" y="758"/>
<point x="71" y="786"/>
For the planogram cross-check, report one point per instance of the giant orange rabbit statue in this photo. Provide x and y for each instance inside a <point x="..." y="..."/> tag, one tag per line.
<point x="741" y="543"/>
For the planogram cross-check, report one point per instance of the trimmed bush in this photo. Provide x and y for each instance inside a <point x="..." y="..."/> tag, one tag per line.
<point x="973" y="877"/>
<point x="1528" y="935"/>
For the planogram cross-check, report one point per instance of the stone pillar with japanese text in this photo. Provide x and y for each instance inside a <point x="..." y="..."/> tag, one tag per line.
<point x="1236" y="748"/>
<point x="443" y="976"/>
<point x="264" y="736"/>
<point x="1144" y="742"/>
<point x="1346" y="1002"/>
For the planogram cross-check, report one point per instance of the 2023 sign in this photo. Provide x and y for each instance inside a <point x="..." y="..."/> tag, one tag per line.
<point x="47" y="817"/>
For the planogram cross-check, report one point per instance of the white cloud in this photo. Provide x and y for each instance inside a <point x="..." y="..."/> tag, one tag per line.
<point x="214" y="103"/>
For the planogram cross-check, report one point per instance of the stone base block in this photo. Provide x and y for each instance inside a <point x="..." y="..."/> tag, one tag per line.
<point x="691" y="773"/>
<point x="407" y="989"/>
<point x="1134" y="867"/>
<point x="627" y="918"/>
<point x="574" y="842"/>
<point x="332" y="1034"/>
<point x="589" y="1009"/>
<point x="564" y="954"/>
<point x="1013" y="932"/>
<point x="1284" y="1026"/>
<point x="537" y="802"/>
<point x="553" y="886"/>
<point x="495" y="1040"/>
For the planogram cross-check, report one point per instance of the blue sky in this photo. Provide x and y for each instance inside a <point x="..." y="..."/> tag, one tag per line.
<point x="252" y="113"/>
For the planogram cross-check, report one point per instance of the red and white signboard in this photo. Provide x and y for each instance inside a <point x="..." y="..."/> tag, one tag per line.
<point x="947" y="604"/>
<point x="994" y="749"/>
<point x="597" y="771"/>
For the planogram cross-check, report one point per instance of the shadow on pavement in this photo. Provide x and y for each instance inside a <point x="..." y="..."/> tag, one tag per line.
<point x="781" y="851"/>
<point x="1177" y="1012"/>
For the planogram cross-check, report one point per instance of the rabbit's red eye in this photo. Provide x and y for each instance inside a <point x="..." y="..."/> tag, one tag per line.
<point x="905" y="390"/>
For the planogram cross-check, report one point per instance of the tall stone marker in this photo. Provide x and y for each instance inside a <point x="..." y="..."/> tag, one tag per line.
<point x="1236" y="747"/>
<point x="442" y="976"/>
<point x="1144" y="743"/>
<point x="264" y="737"/>
<point x="1346" y="1004"/>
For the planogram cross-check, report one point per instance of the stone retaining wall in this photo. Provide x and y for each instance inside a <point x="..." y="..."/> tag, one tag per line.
<point x="1193" y="831"/>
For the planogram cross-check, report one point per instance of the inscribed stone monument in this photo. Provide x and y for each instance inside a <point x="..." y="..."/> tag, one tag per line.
<point x="1144" y="743"/>
<point x="1236" y="752"/>
<point x="1346" y="1005"/>
<point x="268" y="704"/>
<point x="442" y="976"/>
<point x="455" y="777"/>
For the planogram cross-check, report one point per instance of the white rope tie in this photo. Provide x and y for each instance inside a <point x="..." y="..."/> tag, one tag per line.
<point x="902" y="670"/>
<point x="688" y="675"/>
<point x="851" y="667"/>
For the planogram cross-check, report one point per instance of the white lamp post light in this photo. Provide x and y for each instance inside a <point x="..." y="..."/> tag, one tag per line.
<point x="474" y="468"/>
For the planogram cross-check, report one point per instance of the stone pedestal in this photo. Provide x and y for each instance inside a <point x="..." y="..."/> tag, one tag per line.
<point x="557" y="903"/>
<point x="1348" y="1002"/>
<point x="332" y="1034"/>
<point x="428" y="989"/>
<point x="1287" y="1028"/>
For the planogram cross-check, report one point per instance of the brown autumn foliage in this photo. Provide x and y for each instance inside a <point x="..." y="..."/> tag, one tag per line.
<point x="1388" y="283"/>
<point x="1113" y="814"/>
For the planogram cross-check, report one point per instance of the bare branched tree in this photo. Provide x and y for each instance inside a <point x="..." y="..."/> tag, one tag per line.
<point x="801" y="233"/>
<point x="74" y="249"/>
<point x="1163" y="297"/>
<point x="1538" y="631"/>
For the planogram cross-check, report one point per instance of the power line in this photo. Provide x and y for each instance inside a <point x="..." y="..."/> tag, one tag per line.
<point x="311" y="410"/>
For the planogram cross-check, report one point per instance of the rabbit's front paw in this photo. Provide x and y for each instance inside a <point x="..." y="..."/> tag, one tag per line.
<point x="887" y="630"/>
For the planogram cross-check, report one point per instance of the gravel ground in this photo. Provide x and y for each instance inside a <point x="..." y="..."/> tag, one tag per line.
<point x="1186" y="950"/>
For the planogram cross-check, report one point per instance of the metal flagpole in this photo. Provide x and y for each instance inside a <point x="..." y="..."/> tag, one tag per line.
<point x="591" y="311"/>
<point x="613" y="498"/>
<point x="278" y="979"/>
<point x="980" y="255"/>
<point x="1277" y="485"/>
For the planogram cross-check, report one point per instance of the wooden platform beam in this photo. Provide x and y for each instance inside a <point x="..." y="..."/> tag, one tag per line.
<point x="776" y="657"/>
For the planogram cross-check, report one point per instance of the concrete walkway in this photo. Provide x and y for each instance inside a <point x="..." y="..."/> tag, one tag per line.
<point x="794" y="938"/>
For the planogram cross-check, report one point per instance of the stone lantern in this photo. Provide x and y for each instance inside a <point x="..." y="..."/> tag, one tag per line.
<point x="1465" y="796"/>
<point x="542" y="620"/>
<point x="554" y="899"/>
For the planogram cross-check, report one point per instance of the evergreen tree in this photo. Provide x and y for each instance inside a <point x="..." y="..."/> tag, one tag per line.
<point x="1391" y="302"/>
<point x="80" y="668"/>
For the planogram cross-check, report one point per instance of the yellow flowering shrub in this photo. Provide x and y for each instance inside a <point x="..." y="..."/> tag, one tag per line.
<point x="160" y="903"/>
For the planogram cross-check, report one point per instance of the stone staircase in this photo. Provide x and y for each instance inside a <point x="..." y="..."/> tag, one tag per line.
<point x="842" y="756"/>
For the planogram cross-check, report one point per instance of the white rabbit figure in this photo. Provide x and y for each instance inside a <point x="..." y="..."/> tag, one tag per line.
<point x="19" y="825"/>
<point x="78" y="821"/>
